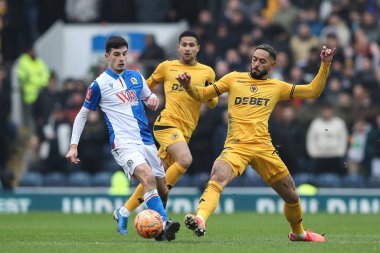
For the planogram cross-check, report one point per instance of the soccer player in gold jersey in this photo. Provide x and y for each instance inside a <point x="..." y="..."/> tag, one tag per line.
<point x="176" y="123"/>
<point x="252" y="97"/>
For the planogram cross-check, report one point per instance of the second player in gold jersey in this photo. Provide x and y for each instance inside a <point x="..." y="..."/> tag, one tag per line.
<point x="252" y="97"/>
<point x="181" y="110"/>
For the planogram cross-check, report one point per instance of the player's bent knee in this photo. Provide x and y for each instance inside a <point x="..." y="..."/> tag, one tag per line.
<point x="292" y="197"/>
<point x="185" y="161"/>
<point x="148" y="181"/>
<point x="220" y="178"/>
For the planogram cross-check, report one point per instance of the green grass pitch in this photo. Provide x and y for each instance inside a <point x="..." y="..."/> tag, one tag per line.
<point x="232" y="233"/>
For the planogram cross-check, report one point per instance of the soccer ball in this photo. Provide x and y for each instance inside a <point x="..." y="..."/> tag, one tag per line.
<point x="148" y="223"/>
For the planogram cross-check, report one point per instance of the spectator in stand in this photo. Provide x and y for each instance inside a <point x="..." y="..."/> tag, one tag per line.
<point x="334" y="88"/>
<point x="357" y="146"/>
<point x="373" y="148"/>
<point x="335" y="25"/>
<point x="220" y="132"/>
<point x="47" y="98"/>
<point x="370" y="25"/>
<point x="285" y="135"/>
<point x="207" y="56"/>
<point x="151" y="11"/>
<point x="310" y="64"/>
<point x="376" y="89"/>
<point x="201" y="141"/>
<point x="326" y="141"/>
<point x="82" y="11"/>
<point x="55" y="141"/>
<point x="282" y="67"/>
<point x="363" y="106"/>
<point x="33" y="76"/>
<point x="93" y="138"/>
<point x="6" y="138"/>
<point x="286" y="15"/>
<point x="152" y="54"/>
<point x="344" y="108"/>
<point x="302" y="43"/>
<point x="310" y="16"/>
<point x="234" y="61"/>
<point x="221" y="69"/>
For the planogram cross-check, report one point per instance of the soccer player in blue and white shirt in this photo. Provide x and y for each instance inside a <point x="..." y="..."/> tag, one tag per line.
<point x="119" y="94"/>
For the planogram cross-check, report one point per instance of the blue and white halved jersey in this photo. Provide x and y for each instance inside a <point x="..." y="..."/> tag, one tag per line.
<point x="120" y="99"/>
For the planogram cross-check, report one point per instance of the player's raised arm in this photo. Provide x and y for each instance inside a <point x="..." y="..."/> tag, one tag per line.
<point x="200" y="94"/>
<point x="315" y="88"/>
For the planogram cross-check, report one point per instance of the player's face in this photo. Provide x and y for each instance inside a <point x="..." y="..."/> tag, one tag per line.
<point x="188" y="49"/>
<point x="117" y="59"/>
<point x="261" y="64"/>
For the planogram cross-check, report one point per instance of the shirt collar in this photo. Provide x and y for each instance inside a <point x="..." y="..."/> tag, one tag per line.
<point x="113" y="74"/>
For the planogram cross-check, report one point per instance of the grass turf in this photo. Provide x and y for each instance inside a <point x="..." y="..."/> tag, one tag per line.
<point x="233" y="233"/>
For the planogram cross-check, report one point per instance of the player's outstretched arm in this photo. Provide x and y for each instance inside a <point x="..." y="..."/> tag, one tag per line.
<point x="212" y="103"/>
<point x="200" y="94"/>
<point x="315" y="88"/>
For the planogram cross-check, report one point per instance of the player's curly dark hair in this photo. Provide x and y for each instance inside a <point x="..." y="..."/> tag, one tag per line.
<point x="269" y="49"/>
<point x="189" y="33"/>
<point x="115" y="42"/>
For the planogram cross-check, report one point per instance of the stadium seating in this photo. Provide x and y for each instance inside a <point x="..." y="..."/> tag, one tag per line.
<point x="102" y="179"/>
<point x="55" y="179"/>
<point x="353" y="181"/>
<point x="373" y="182"/>
<point x="253" y="180"/>
<point x="329" y="180"/>
<point x="304" y="178"/>
<point x="80" y="179"/>
<point x="31" y="179"/>
<point x="184" y="181"/>
<point x="200" y="179"/>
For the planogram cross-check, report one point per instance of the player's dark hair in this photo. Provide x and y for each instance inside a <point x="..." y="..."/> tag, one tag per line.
<point x="269" y="49"/>
<point x="115" y="42"/>
<point x="189" y="33"/>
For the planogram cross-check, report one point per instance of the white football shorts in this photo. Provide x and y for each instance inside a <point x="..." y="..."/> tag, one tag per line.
<point x="132" y="155"/>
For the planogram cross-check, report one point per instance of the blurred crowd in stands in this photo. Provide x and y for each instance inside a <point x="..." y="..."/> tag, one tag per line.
<point x="338" y="133"/>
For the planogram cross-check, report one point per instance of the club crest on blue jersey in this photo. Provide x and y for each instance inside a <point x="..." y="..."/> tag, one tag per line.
<point x="134" y="80"/>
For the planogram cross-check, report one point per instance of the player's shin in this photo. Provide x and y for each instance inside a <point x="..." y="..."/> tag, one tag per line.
<point x="135" y="199"/>
<point x="293" y="213"/>
<point x="153" y="201"/>
<point x="173" y="174"/>
<point x="209" y="200"/>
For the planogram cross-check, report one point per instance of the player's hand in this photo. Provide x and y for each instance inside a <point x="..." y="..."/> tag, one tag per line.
<point x="72" y="155"/>
<point x="184" y="79"/>
<point x="327" y="54"/>
<point x="152" y="102"/>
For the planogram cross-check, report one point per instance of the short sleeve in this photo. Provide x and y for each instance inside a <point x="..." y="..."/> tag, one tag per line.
<point x="158" y="75"/>
<point x="92" y="96"/>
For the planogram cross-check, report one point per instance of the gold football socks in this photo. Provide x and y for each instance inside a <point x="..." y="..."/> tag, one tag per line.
<point x="173" y="174"/>
<point x="209" y="200"/>
<point x="293" y="213"/>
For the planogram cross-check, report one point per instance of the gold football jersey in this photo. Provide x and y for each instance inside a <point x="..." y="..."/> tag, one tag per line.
<point x="181" y="110"/>
<point x="251" y="101"/>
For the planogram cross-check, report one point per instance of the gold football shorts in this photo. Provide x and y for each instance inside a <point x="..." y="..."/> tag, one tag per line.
<point x="165" y="136"/>
<point x="262" y="157"/>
